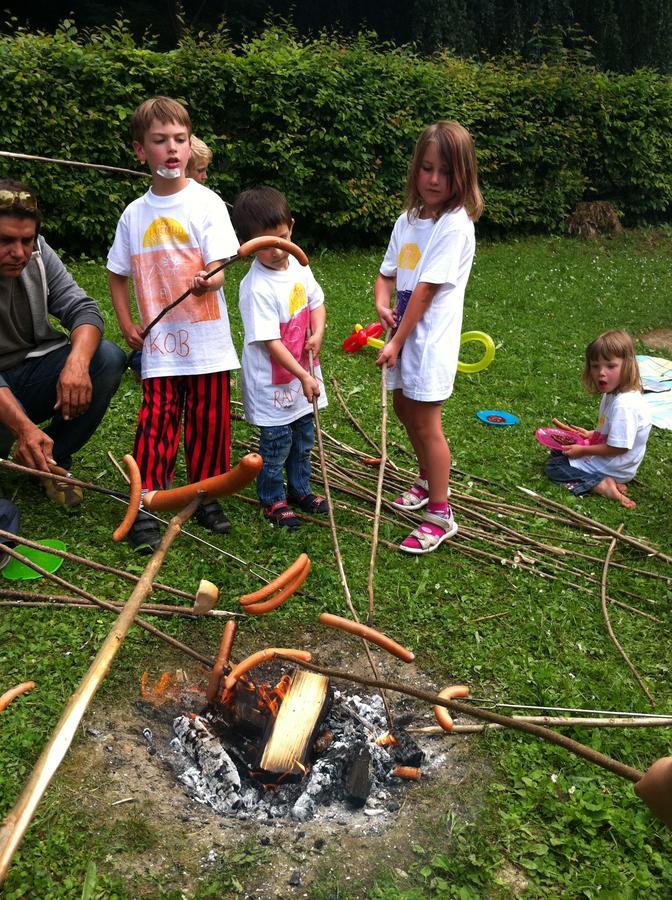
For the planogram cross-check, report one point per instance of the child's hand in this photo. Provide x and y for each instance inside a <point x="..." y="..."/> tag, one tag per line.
<point x="387" y="317"/>
<point x="388" y="354"/>
<point x="199" y="285"/>
<point x="582" y="432"/>
<point x="311" y="388"/>
<point x="133" y="336"/>
<point x="313" y="344"/>
<point x="574" y="451"/>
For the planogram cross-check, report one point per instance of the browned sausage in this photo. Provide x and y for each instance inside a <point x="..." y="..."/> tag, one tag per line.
<point x="228" y="483"/>
<point x="410" y="772"/>
<point x="256" y="659"/>
<point x="134" y="500"/>
<point x="15" y="692"/>
<point x="222" y="660"/>
<point x="264" y="606"/>
<point x="369" y="634"/>
<point x="268" y="240"/>
<point x="449" y="693"/>
<point x="282" y="579"/>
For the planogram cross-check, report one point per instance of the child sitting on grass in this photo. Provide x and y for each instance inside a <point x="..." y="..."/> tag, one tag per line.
<point x="282" y="307"/>
<point x="616" y="447"/>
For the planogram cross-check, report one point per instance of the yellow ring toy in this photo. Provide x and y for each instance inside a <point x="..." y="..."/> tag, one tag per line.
<point x="466" y="338"/>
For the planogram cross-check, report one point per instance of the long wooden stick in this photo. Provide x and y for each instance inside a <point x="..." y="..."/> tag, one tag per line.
<point x="553" y="721"/>
<point x="605" y="613"/>
<point x="72" y="162"/>
<point x="606" y="762"/>
<point x="379" y="485"/>
<point x="18" y="819"/>
<point x="337" y="549"/>
<point x="165" y="610"/>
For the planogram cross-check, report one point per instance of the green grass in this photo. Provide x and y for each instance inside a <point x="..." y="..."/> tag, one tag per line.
<point x="580" y="832"/>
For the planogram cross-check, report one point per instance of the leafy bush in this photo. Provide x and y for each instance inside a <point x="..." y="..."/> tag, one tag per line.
<point x="332" y="123"/>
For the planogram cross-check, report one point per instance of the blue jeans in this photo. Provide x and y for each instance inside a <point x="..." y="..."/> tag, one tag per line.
<point x="560" y="471"/>
<point x="33" y="383"/>
<point x="280" y="447"/>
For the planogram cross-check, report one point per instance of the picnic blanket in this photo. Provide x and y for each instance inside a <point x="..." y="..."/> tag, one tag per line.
<point x="656" y="374"/>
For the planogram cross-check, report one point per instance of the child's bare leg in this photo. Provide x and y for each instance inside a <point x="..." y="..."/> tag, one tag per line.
<point x="608" y="488"/>
<point x="425" y="430"/>
<point x="404" y="414"/>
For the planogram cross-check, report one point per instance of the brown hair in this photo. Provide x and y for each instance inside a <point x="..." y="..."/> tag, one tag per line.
<point x="611" y="345"/>
<point x="165" y="109"/>
<point x="21" y="208"/>
<point x="200" y="153"/>
<point x="259" y="210"/>
<point x="456" y="148"/>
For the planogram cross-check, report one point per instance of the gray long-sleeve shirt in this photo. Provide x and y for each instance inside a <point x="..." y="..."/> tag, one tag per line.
<point x="44" y="288"/>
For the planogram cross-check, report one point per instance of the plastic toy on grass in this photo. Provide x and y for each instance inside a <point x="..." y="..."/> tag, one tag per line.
<point x="363" y="337"/>
<point x="558" y="438"/>
<point x="482" y="338"/>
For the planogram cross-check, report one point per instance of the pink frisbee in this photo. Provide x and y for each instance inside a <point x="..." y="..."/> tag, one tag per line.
<point x="558" y="438"/>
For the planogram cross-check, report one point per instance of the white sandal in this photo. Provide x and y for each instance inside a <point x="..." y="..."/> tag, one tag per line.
<point x="408" y="501"/>
<point x="428" y="540"/>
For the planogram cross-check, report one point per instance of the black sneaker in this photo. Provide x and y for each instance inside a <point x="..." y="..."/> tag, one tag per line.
<point x="211" y="516"/>
<point x="145" y="535"/>
<point x="309" y="503"/>
<point x="281" y="516"/>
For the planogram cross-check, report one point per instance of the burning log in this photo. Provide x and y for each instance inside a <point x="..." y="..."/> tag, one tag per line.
<point x="358" y="780"/>
<point x="293" y="731"/>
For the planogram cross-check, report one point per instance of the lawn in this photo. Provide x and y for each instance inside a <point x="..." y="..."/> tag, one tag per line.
<point x="531" y="816"/>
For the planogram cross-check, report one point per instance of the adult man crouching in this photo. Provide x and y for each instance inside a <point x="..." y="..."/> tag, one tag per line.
<point x="43" y="375"/>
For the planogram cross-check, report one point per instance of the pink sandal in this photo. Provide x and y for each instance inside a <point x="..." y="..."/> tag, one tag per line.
<point x="431" y="532"/>
<point x="414" y="498"/>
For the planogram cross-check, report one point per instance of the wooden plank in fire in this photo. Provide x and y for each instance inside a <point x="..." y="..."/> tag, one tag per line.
<point x="290" y="741"/>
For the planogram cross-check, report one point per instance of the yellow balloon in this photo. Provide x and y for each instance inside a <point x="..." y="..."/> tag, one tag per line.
<point x="482" y="338"/>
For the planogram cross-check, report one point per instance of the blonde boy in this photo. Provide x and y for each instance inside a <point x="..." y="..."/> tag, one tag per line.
<point x="168" y="240"/>
<point x="200" y="159"/>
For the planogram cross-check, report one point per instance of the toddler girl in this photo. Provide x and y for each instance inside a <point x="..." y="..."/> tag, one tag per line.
<point x="426" y="267"/>
<point x="617" y="445"/>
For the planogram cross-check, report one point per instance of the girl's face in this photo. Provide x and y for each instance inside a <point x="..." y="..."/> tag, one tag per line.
<point x="433" y="183"/>
<point x="606" y="373"/>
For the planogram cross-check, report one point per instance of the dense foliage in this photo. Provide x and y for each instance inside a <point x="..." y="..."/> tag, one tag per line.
<point x="620" y="35"/>
<point x="332" y="124"/>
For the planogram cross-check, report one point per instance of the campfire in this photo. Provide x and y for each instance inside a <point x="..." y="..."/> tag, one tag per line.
<point x="291" y="747"/>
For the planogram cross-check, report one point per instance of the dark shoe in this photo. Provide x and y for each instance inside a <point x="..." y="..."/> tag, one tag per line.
<point x="281" y="516"/>
<point x="145" y="535"/>
<point x="211" y="516"/>
<point x="309" y="503"/>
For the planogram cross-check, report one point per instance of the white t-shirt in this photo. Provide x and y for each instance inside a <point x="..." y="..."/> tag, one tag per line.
<point x="437" y="253"/>
<point x="623" y="421"/>
<point x="277" y="305"/>
<point x="162" y="242"/>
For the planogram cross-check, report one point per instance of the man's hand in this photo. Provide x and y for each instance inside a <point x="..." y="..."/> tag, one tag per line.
<point x="33" y="448"/>
<point x="74" y="389"/>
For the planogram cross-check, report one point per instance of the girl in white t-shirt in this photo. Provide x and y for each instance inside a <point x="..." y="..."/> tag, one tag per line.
<point x="426" y="269"/>
<point x="617" y="445"/>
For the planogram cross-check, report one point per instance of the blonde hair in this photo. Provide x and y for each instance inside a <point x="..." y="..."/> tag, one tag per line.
<point x="165" y="109"/>
<point x="200" y="153"/>
<point x="613" y="345"/>
<point x="456" y="149"/>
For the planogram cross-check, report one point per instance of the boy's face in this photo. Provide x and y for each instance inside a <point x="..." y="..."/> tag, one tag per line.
<point x="198" y="171"/>
<point x="165" y="148"/>
<point x="272" y="257"/>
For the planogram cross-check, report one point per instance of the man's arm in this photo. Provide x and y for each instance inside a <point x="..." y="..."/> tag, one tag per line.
<point x="33" y="446"/>
<point x="74" y="389"/>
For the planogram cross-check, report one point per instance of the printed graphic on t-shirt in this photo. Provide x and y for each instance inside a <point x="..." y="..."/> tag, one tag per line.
<point x="402" y="302"/>
<point x="293" y="336"/>
<point x="159" y="277"/>
<point x="409" y="256"/>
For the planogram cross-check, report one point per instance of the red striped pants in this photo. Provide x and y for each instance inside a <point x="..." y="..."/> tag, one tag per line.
<point x="203" y="401"/>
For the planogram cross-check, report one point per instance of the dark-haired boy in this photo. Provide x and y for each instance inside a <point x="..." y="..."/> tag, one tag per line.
<point x="168" y="240"/>
<point x="282" y="307"/>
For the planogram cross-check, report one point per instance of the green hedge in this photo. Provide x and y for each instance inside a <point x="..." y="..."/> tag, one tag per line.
<point x="332" y="123"/>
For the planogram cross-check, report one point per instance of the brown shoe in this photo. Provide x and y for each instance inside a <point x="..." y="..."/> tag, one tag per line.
<point x="68" y="495"/>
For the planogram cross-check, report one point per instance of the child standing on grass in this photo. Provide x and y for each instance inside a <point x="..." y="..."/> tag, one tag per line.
<point x="168" y="240"/>
<point x="617" y="445"/>
<point x="200" y="159"/>
<point x="282" y="307"/>
<point x="427" y="267"/>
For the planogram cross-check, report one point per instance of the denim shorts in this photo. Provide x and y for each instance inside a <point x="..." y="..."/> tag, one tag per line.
<point x="560" y="471"/>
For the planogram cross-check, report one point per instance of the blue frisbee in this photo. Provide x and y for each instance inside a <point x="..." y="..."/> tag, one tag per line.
<point x="497" y="417"/>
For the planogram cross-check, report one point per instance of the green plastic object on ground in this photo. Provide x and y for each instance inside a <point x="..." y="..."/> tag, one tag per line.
<point x="18" y="571"/>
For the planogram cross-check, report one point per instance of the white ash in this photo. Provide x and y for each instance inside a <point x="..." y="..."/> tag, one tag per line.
<point x="211" y="777"/>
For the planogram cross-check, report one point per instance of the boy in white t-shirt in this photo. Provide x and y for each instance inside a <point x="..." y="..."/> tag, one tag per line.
<point x="282" y="307"/>
<point x="167" y="241"/>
